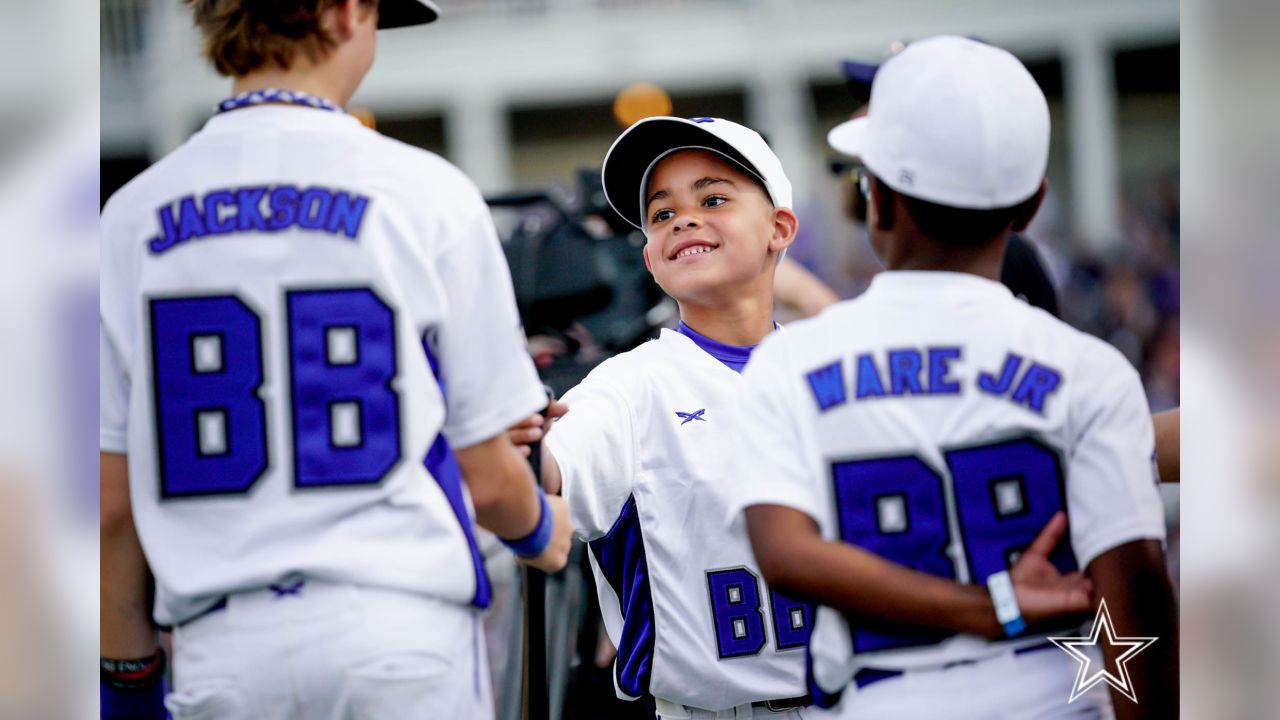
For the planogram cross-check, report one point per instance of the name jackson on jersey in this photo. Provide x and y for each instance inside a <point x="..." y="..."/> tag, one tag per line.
<point x="260" y="208"/>
<point x="927" y="371"/>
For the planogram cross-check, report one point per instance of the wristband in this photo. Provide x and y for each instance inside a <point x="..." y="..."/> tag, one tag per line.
<point x="133" y="675"/>
<point x="133" y="689"/>
<point x="1006" y="604"/>
<point x="534" y="543"/>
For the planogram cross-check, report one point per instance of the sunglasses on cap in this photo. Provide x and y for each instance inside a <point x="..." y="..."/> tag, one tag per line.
<point x="857" y="174"/>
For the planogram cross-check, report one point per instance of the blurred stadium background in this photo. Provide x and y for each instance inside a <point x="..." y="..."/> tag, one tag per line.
<point x="522" y="95"/>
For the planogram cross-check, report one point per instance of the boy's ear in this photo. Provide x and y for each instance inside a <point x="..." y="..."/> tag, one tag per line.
<point x="341" y="19"/>
<point x="785" y="227"/>
<point x="883" y="199"/>
<point x="644" y="250"/>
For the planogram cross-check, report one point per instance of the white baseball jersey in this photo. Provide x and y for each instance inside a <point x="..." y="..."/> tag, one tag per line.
<point x="940" y="423"/>
<point x="276" y="297"/>
<point x="645" y="453"/>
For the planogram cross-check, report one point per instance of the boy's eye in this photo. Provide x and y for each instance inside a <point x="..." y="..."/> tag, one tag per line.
<point x="715" y="201"/>
<point x="661" y="215"/>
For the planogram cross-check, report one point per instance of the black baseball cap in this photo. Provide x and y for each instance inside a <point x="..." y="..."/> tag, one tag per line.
<point x="403" y="13"/>
<point x="639" y="148"/>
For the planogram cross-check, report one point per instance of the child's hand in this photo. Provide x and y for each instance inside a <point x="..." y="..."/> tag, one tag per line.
<point x="1043" y="592"/>
<point x="535" y="427"/>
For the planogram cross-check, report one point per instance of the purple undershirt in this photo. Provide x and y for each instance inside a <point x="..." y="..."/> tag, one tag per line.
<point x="734" y="357"/>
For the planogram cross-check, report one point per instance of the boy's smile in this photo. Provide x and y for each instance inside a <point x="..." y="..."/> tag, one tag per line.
<point x="692" y="248"/>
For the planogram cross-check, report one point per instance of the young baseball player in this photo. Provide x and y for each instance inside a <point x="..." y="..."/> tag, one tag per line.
<point x="938" y="421"/>
<point x="309" y="356"/>
<point x="644" y="458"/>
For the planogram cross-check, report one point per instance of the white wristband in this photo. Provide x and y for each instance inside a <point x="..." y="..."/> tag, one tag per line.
<point x="1000" y="585"/>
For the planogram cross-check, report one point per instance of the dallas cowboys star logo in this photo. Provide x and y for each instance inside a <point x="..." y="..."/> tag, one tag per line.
<point x="1120" y="679"/>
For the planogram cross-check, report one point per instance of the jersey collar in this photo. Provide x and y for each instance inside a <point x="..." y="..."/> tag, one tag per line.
<point x="923" y="284"/>
<point x="284" y="117"/>
<point x="734" y="357"/>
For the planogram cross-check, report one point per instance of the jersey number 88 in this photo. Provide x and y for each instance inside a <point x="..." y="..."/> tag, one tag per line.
<point x="211" y="423"/>
<point x="1002" y="495"/>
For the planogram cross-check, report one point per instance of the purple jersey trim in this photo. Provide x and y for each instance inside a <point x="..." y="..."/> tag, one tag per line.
<point x="621" y="557"/>
<point x="443" y="466"/>
<point x="734" y="357"/>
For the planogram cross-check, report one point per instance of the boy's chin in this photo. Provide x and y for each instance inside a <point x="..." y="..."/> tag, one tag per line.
<point x="696" y="286"/>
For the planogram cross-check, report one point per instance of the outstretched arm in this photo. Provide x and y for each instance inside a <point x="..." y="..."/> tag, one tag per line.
<point x="126" y="622"/>
<point x="507" y="502"/>
<point x="132" y="668"/>
<point x="796" y="560"/>
<point x="533" y="429"/>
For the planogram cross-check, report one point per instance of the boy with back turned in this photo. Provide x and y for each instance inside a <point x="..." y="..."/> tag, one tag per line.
<point x="309" y="355"/>
<point x="939" y="422"/>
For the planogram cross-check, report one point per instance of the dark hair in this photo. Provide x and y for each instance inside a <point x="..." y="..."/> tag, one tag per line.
<point x="241" y="36"/>
<point x="957" y="226"/>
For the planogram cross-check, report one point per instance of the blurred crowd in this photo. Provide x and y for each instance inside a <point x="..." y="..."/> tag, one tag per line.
<point x="1130" y="297"/>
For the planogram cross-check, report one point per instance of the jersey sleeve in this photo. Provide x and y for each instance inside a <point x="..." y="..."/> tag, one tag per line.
<point x="1112" y="493"/>
<point x="113" y="396"/>
<point x="774" y="452"/>
<point x="114" y="329"/>
<point x="595" y="446"/>
<point x="489" y="379"/>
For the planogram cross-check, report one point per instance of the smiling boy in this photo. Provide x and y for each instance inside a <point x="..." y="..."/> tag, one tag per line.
<point x="640" y="455"/>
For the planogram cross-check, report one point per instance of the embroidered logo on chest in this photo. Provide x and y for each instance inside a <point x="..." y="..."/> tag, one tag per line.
<point x="691" y="416"/>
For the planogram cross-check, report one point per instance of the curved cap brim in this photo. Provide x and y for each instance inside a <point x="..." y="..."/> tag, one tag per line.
<point x="636" y="149"/>
<point x="850" y="137"/>
<point x="403" y="13"/>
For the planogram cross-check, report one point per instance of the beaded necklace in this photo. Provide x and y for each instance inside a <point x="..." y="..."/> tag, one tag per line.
<point x="276" y="95"/>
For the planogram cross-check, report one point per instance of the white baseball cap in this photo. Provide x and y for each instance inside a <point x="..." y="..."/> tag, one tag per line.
<point x="403" y="13"/>
<point x="639" y="148"/>
<point x="953" y="121"/>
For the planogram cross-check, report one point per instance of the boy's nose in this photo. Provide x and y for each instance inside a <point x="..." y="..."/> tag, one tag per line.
<point x="688" y="222"/>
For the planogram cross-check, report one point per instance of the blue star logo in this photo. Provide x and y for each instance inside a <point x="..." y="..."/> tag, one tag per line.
<point x="695" y="415"/>
<point x="1120" y="678"/>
